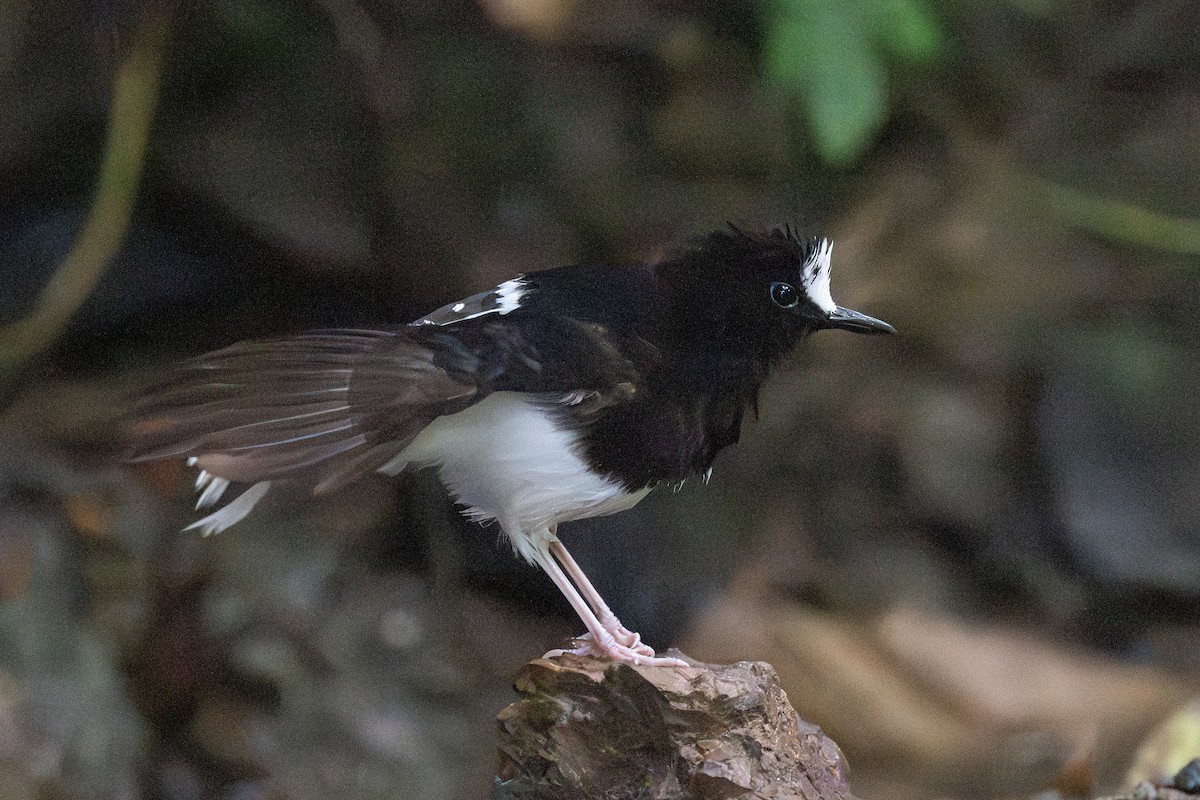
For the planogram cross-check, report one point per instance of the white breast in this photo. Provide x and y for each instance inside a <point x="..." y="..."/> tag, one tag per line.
<point x="505" y="458"/>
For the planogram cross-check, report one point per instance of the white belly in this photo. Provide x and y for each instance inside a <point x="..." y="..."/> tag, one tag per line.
<point x="505" y="459"/>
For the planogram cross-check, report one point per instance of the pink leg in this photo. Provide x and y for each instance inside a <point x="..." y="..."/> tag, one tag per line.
<point x="608" y="620"/>
<point x="598" y="640"/>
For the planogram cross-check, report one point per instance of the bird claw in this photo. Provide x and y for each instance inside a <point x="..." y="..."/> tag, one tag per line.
<point x="622" y="635"/>
<point x="633" y="652"/>
<point x="630" y="639"/>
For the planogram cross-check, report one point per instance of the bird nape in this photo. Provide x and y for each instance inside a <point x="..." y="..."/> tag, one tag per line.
<point x="558" y="395"/>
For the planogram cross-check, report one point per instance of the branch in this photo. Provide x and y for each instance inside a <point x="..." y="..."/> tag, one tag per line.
<point x="135" y="96"/>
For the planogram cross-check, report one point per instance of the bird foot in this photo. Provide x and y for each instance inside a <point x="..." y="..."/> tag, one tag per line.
<point x="626" y="638"/>
<point x="634" y="653"/>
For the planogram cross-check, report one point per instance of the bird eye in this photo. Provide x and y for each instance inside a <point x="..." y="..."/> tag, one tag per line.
<point x="784" y="294"/>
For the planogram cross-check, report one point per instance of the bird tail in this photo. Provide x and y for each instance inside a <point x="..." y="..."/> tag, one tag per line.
<point x="256" y="412"/>
<point x="258" y="409"/>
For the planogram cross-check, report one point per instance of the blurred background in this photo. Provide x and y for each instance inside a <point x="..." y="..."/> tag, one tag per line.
<point x="971" y="550"/>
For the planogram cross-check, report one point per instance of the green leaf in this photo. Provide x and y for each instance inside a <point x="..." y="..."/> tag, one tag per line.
<point x="824" y="54"/>
<point x="909" y="29"/>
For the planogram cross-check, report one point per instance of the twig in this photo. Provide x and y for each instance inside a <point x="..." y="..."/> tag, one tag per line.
<point x="134" y="98"/>
<point x="1115" y="219"/>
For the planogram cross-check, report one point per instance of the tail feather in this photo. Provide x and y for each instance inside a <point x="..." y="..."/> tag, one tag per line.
<point x="233" y="513"/>
<point x="279" y="403"/>
<point x="321" y="408"/>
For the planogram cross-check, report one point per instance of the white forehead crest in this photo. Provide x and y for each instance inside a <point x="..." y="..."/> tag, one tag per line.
<point x="816" y="277"/>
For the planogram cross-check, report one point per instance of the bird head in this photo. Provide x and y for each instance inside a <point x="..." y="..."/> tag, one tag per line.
<point x="759" y="291"/>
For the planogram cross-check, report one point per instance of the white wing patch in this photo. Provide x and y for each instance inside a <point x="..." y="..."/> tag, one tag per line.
<point x="510" y="294"/>
<point x="816" y="277"/>
<point x="503" y="299"/>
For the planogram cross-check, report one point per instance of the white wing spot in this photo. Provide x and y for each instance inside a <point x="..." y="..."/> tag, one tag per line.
<point x="504" y="298"/>
<point x="509" y="294"/>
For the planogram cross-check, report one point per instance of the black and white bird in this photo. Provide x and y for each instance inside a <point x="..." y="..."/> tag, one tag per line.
<point x="556" y="396"/>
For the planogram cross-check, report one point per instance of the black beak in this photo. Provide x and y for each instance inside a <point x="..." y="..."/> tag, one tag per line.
<point x="849" y="320"/>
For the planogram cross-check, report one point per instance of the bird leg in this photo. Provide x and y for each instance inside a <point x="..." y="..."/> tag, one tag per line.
<point x="608" y="620"/>
<point x="598" y="640"/>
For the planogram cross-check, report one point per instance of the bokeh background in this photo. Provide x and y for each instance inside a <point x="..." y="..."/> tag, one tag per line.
<point x="971" y="550"/>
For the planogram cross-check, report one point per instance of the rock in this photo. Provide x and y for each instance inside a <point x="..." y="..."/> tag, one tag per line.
<point x="587" y="728"/>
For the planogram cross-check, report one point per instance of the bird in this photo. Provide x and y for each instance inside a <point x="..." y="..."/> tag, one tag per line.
<point x="558" y="395"/>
